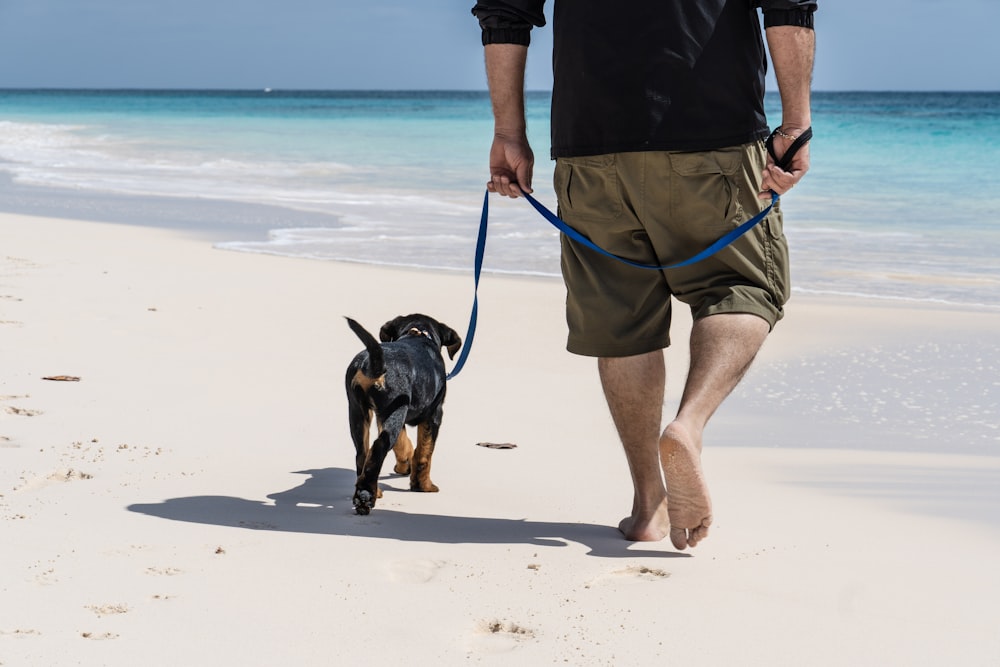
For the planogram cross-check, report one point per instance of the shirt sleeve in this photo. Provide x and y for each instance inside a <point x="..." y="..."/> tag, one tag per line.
<point x="509" y="21"/>
<point x="788" y="12"/>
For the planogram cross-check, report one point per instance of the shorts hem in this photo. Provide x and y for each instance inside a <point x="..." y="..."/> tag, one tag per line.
<point x="769" y="315"/>
<point x="625" y="349"/>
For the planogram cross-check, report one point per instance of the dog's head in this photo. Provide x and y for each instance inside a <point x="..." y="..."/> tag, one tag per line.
<point x="424" y="325"/>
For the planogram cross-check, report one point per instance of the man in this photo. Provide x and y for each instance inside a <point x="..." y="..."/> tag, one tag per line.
<point x="657" y="132"/>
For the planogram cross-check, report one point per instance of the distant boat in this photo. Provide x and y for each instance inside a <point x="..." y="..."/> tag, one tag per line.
<point x="267" y="90"/>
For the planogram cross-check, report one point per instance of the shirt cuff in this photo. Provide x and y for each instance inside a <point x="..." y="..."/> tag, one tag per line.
<point x="521" y="36"/>
<point x="801" y="18"/>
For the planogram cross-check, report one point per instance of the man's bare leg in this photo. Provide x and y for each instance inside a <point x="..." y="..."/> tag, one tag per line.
<point x="722" y="348"/>
<point x="633" y="387"/>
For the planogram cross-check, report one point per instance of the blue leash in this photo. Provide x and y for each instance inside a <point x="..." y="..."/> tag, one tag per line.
<point x="707" y="252"/>
<point x="480" y="251"/>
<point x="580" y="238"/>
<point x="583" y="240"/>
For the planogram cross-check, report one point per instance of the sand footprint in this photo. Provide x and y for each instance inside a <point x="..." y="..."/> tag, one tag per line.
<point x="499" y="636"/>
<point x="68" y="475"/>
<point x="19" y="633"/>
<point x="108" y="609"/>
<point x="416" y="571"/>
<point x="18" y="262"/>
<point x="60" y="476"/>
<point x="631" y="573"/>
<point x="21" y="412"/>
<point x="47" y="577"/>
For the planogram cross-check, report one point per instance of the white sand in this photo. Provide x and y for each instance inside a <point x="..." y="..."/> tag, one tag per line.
<point x="187" y="502"/>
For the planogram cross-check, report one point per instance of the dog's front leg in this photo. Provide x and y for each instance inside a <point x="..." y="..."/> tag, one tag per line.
<point x="420" y="468"/>
<point x="404" y="454"/>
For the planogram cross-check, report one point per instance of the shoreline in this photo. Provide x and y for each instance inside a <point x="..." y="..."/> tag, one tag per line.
<point x="187" y="501"/>
<point x="229" y="229"/>
<point x="351" y="158"/>
<point x="218" y="220"/>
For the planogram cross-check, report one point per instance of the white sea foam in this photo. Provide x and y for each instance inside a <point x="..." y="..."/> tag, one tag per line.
<point x="407" y="189"/>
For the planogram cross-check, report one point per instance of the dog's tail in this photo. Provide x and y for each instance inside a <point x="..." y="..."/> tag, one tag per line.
<point x="376" y="361"/>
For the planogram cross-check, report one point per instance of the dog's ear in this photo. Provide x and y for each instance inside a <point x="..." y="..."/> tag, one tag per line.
<point x="450" y="339"/>
<point x="389" y="331"/>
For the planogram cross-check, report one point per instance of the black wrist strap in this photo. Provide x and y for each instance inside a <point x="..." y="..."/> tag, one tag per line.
<point x="786" y="159"/>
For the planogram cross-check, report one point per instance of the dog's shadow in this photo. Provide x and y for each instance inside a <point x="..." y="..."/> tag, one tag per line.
<point x="307" y="509"/>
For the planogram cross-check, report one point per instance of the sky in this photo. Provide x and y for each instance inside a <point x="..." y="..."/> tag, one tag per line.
<point x="429" y="44"/>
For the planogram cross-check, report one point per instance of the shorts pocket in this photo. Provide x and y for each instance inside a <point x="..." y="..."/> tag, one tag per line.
<point x="726" y="161"/>
<point x="587" y="188"/>
<point x="706" y="192"/>
<point x="775" y="223"/>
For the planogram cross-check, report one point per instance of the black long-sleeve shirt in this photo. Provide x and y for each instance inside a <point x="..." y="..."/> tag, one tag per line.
<point x="643" y="75"/>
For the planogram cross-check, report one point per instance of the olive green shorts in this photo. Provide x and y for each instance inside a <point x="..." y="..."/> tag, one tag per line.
<point x="661" y="208"/>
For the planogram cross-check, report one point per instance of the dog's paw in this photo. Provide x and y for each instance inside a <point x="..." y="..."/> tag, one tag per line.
<point x="364" y="501"/>
<point x="425" y="487"/>
<point x="401" y="467"/>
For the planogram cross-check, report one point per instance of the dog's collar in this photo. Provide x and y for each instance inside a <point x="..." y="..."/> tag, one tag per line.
<point x="418" y="332"/>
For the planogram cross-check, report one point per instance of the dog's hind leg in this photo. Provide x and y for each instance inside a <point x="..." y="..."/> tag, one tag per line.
<point x="420" y="468"/>
<point x="366" y="488"/>
<point x="404" y="453"/>
<point x="360" y="419"/>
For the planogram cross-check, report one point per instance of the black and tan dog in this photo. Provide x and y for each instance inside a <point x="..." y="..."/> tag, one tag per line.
<point x="402" y="382"/>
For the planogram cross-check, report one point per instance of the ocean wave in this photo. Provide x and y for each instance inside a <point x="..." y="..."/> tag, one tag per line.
<point x="880" y="296"/>
<point x="408" y="185"/>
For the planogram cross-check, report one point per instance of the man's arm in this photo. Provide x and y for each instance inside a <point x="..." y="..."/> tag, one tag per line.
<point x="506" y="26"/>
<point x="511" y="158"/>
<point x="792" y="44"/>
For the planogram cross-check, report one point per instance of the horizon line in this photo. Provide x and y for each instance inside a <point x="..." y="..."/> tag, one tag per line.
<point x="267" y="89"/>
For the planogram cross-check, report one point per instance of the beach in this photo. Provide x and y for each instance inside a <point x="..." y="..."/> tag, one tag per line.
<point x="187" y="498"/>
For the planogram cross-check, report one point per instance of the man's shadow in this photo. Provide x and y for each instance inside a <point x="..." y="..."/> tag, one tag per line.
<point x="307" y="508"/>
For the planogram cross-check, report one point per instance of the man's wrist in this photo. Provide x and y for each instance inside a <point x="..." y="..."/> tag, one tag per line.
<point x="796" y="125"/>
<point x="510" y="132"/>
<point x="789" y="131"/>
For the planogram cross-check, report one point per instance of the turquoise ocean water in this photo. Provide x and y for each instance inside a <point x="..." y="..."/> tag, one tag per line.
<point x="901" y="203"/>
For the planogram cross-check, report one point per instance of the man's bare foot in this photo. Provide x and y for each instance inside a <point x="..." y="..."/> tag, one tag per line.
<point x="646" y="526"/>
<point x="688" y="504"/>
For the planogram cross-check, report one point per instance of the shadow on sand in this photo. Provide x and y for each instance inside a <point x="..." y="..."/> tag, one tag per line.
<point x="307" y="509"/>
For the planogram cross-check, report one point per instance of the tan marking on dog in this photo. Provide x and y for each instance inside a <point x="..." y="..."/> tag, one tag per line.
<point x="420" y="468"/>
<point x="366" y="383"/>
<point x="368" y="431"/>
<point x="403" y="449"/>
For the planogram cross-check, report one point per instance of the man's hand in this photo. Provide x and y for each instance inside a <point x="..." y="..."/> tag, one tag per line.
<point x="778" y="179"/>
<point x="511" y="165"/>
